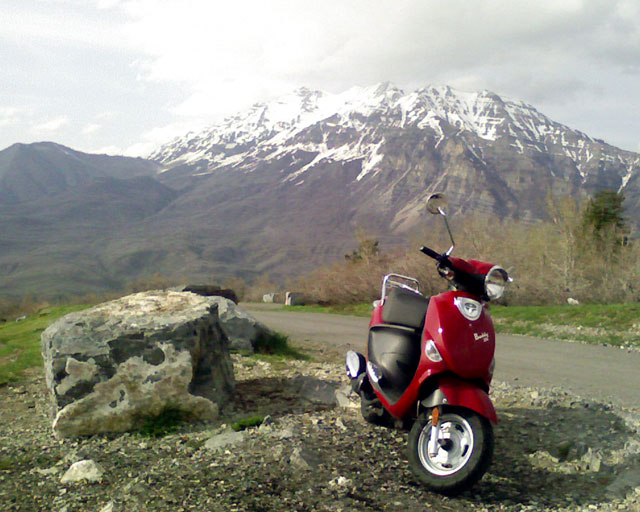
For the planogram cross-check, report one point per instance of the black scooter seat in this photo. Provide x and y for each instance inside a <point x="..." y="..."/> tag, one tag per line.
<point x="405" y="308"/>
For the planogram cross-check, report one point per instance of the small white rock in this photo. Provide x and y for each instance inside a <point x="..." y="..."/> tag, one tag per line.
<point x="108" y="507"/>
<point x="224" y="440"/>
<point x="341" y="481"/>
<point x="87" y="470"/>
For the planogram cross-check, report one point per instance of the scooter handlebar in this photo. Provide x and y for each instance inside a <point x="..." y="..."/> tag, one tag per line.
<point x="431" y="253"/>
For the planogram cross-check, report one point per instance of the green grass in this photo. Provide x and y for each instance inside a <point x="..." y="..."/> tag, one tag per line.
<point x="20" y="341"/>
<point x="244" y="424"/>
<point x="276" y="345"/>
<point x="612" y="324"/>
<point x="167" y="422"/>
<point x="364" y="309"/>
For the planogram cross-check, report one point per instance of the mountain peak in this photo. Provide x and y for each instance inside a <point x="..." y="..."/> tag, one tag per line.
<point x="355" y="125"/>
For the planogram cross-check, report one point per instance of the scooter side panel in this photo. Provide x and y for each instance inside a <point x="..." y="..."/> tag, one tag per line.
<point x="467" y="394"/>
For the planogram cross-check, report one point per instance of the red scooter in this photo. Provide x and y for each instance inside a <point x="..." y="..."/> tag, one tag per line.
<point x="429" y="364"/>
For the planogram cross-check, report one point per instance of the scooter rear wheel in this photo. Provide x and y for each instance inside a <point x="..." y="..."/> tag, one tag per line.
<point x="464" y="450"/>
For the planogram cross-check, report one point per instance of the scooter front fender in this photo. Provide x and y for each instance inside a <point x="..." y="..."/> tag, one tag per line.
<point x="462" y="393"/>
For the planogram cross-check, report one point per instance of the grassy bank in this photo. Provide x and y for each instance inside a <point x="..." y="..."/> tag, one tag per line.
<point x="20" y="341"/>
<point x="20" y="347"/>
<point x="611" y="324"/>
<point x="347" y="309"/>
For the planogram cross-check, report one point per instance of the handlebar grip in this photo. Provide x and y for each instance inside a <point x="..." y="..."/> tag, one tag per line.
<point x="431" y="253"/>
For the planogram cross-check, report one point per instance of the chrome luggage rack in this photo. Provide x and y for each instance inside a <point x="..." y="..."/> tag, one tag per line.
<point x="399" y="281"/>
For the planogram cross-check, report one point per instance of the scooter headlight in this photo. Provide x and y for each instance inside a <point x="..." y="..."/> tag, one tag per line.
<point x="355" y="364"/>
<point x="495" y="281"/>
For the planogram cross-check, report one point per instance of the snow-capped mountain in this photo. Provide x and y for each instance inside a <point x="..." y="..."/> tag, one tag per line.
<point x="282" y="187"/>
<point x="367" y="124"/>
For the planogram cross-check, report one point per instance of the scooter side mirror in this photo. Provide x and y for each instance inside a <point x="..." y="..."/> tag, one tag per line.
<point x="436" y="205"/>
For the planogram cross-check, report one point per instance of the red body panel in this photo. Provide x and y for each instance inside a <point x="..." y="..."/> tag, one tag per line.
<point x="376" y="316"/>
<point x="467" y="348"/>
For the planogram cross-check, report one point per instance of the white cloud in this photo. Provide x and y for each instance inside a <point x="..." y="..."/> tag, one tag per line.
<point x="107" y="150"/>
<point x="13" y="115"/>
<point x="91" y="128"/>
<point x="51" y="125"/>
<point x="57" y="23"/>
<point x="153" y="139"/>
<point x="204" y="59"/>
<point x="231" y="50"/>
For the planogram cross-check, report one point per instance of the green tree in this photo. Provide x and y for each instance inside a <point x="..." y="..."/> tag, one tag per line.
<point x="603" y="217"/>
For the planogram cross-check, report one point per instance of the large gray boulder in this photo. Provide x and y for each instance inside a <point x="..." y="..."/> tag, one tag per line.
<point x="242" y="329"/>
<point x="110" y="367"/>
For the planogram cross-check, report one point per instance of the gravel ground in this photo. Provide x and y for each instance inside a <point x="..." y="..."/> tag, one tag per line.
<point x="554" y="451"/>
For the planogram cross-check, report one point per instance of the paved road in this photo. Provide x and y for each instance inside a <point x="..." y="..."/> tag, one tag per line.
<point x="601" y="373"/>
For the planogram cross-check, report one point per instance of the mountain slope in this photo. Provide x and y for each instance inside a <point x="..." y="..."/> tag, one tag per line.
<point x="489" y="153"/>
<point x="285" y="184"/>
<point x="31" y="171"/>
<point x="58" y="210"/>
<point x="282" y="187"/>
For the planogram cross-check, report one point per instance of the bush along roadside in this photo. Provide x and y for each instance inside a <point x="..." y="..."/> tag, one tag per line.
<point x="277" y="345"/>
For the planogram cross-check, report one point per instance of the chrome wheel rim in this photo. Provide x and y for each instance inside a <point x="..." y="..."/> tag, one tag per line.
<point x="455" y="445"/>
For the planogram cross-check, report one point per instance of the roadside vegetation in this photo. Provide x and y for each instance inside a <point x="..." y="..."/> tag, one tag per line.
<point x="20" y="341"/>
<point x="275" y="346"/>
<point x="583" y="251"/>
<point x="20" y="346"/>
<point x="604" y="324"/>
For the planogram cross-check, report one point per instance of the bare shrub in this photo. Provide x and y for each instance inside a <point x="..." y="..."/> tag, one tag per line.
<point x="550" y="261"/>
<point x="261" y="286"/>
<point x="27" y="305"/>
<point x="154" y="282"/>
<point x="239" y="286"/>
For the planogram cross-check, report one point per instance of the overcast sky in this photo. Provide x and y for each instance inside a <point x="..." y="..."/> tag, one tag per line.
<point x="124" y="76"/>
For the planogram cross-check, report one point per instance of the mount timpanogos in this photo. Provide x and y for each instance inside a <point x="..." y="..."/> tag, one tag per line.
<point x="281" y="188"/>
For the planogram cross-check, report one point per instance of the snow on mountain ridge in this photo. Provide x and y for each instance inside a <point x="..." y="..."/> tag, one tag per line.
<point x="269" y="130"/>
<point x="283" y="118"/>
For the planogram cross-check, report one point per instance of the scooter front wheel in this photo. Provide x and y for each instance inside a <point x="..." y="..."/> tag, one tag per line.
<point x="459" y="456"/>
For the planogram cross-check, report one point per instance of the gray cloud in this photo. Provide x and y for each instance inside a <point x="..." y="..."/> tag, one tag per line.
<point x="164" y="66"/>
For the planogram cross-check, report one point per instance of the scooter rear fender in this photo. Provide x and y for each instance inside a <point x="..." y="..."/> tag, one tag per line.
<point x="461" y="393"/>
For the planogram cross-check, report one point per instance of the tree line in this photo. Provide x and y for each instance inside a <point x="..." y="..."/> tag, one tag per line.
<point x="582" y="251"/>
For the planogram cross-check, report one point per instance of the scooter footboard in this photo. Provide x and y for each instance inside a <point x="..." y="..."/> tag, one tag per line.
<point x="463" y="393"/>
